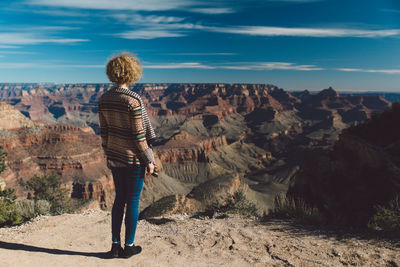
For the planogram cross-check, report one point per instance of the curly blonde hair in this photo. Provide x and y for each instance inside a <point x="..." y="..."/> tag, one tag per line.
<point x="124" y="69"/>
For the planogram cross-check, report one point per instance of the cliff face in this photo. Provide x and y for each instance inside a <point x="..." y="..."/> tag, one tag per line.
<point x="204" y="131"/>
<point x="212" y="192"/>
<point x="361" y="170"/>
<point x="209" y="103"/>
<point x="181" y="146"/>
<point x="10" y="118"/>
<point x="68" y="150"/>
<point x="77" y="103"/>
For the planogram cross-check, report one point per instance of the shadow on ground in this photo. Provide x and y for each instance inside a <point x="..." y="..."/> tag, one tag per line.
<point x="16" y="246"/>
<point x="328" y="231"/>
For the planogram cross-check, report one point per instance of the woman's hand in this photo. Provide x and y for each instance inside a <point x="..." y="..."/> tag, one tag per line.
<point x="149" y="168"/>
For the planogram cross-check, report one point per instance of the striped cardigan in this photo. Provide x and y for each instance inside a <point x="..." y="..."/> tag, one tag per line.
<point x="125" y="128"/>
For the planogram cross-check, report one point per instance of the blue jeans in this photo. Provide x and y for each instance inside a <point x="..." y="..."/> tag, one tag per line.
<point x="128" y="183"/>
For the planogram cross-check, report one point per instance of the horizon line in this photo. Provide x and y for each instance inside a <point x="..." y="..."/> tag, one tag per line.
<point x="166" y="83"/>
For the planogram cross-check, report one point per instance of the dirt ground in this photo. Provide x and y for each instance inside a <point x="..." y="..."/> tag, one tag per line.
<point x="83" y="239"/>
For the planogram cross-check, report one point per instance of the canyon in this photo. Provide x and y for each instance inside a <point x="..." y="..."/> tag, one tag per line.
<point x="259" y="133"/>
<point x="360" y="171"/>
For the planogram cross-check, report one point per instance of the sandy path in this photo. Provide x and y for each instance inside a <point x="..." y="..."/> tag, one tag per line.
<point x="82" y="239"/>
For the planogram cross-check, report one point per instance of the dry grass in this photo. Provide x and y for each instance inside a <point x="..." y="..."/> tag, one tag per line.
<point x="29" y="208"/>
<point x="290" y="208"/>
<point x="387" y="218"/>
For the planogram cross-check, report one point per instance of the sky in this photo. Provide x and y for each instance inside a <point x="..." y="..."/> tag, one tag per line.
<point x="351" y="45"/>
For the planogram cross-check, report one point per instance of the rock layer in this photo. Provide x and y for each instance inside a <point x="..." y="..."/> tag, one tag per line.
<point x="205" y="131"/>
<point x="68" y="150"/>
<point x="362" y="170"/>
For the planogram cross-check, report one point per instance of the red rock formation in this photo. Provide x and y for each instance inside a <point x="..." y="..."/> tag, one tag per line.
<point x="68" y="150"/>
<point x="91" y="190"/>
<point x="212" y="144"/>
<point x="185" y="147"/>
<point x="205" y="116"/>
<point x="213" y="192"/>
<point x="173" y="204"/>
<point x="175" y="155"/>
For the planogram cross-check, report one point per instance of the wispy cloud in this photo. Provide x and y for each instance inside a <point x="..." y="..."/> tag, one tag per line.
<point x="52" y="28"/>
<point x="201" y="54"/>
<point x="92" y="66"/>
<point x="36" y="29"/>
<point x="255" y="66"/>
<point x="212" y="10"/>
<point x="148" y="34"/>
<point x="387" y="71"/>
<point x="271" y="66"/>
<point x="59" y="13"/>
<point x="152" y="26"/>
<point x="17" y="65"/>
<point x="144" y="5"/>
<point x="17" y="52"/>
<point x="137" y="19"/>
<point x="30" y="65"/>
<point x="296" y="1"/>
<point x="8" y="46"/>
<point x="184" y="65"/>
<point x="390" y="10"/>
<point x="305" y="32"/>
<point x="198" y="6"/>
<point x="236" y="66"/>
<point x="16" y="38"/>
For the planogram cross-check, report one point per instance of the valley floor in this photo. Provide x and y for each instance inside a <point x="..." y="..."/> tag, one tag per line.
<point x="83" y="239"/>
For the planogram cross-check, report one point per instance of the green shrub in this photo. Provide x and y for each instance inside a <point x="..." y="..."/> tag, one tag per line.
<point x="73" y="204"/>
<point x="387" y="218"/>
<point x="291" y="208"/>
<point x="8" y="212"/>
<point x="9" y="215"/>
<point x="237" y="204"/>
<point x="48" y="188"/>
<point x="42" y="207"/>
<point x="15" y="212"/>
<point x="26" y="208"/>
<point x="3" y="156"/>
<point x="8" y="195"/>
<point x="159" y="207"/>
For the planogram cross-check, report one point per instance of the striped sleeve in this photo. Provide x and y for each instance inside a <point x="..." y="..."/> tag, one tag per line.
<point x="139" y="136"/>
<point x="103" y="129"/>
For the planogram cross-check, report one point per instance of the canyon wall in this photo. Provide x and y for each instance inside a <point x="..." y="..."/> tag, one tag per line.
<point x="260" y="132"/>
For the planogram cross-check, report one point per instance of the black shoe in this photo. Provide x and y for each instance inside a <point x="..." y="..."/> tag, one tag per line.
<point x="129" y="251"/>
<point x="116" y="251"/>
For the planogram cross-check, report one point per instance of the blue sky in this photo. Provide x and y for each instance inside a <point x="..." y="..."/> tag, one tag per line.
<point x="294" y="44"/>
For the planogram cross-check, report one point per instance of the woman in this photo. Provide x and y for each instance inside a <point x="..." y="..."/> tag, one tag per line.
<point x="126" y="135"/>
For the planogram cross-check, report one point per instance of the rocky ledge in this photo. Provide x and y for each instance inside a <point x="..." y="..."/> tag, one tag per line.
<point x="178" y="240"/>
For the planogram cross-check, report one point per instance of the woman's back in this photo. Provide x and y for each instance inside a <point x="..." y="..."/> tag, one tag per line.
<point x="121" y="127"/>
